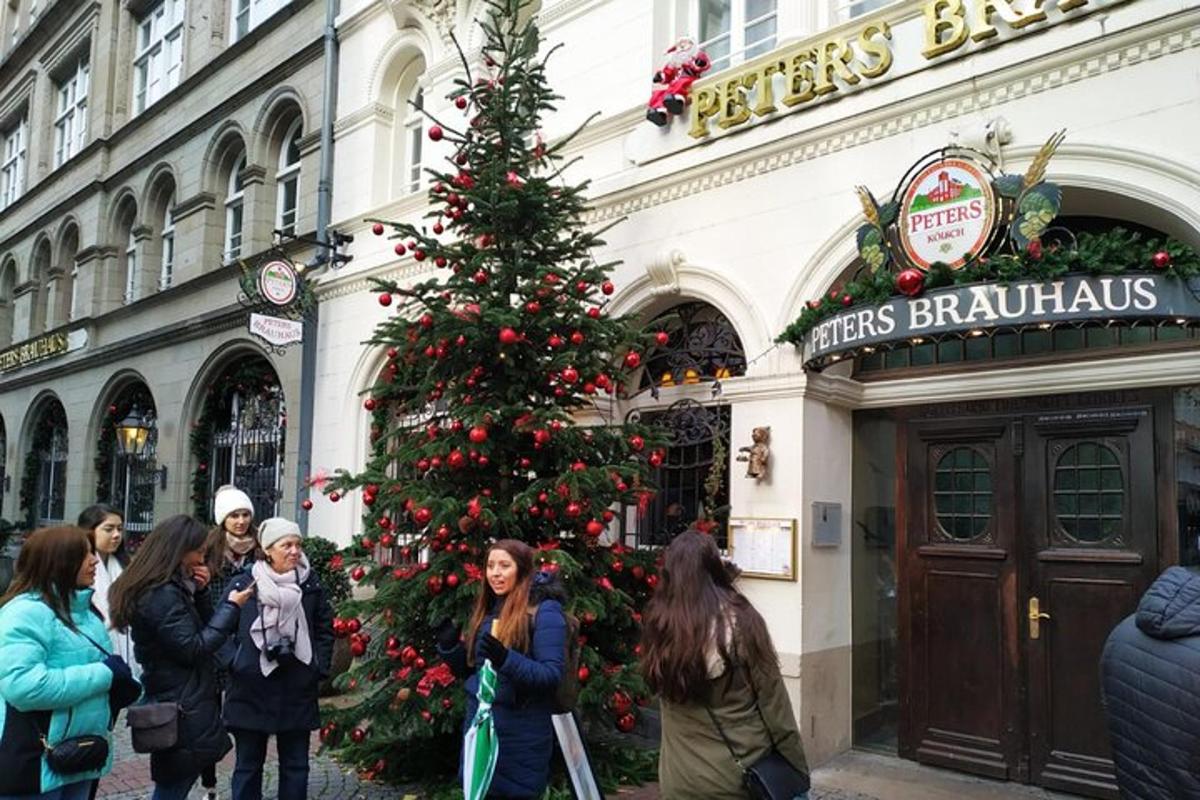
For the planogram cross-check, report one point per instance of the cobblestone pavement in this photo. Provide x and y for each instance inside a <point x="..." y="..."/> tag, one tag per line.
<point x="130" y="777"/>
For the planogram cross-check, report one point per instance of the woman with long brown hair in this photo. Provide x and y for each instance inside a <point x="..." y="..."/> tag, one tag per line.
<point x="518" y="624"/>
<point x="163" y="598"/>
<point x="707" y="653"/>
<point x="57" y="672"/>
<point x="107" y="529"/>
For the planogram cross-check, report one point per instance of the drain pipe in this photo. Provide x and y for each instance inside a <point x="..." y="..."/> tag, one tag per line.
<point x="308" y="351"/>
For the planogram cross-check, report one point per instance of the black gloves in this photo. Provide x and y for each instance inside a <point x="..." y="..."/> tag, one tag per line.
<point x="125" y="689"/>
<point x="447" y="634"/>
<point x="492" y="648"/>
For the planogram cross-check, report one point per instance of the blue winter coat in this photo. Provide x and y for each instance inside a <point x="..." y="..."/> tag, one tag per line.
<point x="285" y="700"/>
<point x="1150" y="670"/>
<point x="524" y="694"/>
<point x="53" y="678"/>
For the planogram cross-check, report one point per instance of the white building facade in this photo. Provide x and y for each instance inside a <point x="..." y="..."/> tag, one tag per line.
<point x="893" y="630"/>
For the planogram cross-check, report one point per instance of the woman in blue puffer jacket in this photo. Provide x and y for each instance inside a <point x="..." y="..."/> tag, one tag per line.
<point x="519" y="624"/>
<point x="57" y="671"/>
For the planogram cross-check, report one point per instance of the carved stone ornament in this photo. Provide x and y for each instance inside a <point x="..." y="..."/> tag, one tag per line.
<point x="664" y="272"/>
<point x="757" y="455"/>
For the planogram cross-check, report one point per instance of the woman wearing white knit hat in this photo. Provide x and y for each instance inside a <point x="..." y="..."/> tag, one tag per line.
<point x="284" y="646"/>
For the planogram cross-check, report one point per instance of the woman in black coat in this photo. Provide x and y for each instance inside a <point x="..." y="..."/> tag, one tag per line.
<point x="284" y="645"/>
<point x="163" y="597"/>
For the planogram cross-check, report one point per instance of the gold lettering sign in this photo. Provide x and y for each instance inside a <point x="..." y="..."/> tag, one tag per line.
<point x="41" y="348"/>
<point x="817" y="69"/>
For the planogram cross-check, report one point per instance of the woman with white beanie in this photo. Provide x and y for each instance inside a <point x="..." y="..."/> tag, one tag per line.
<point x="232" y="544"/>
<point x="284" y="645"/>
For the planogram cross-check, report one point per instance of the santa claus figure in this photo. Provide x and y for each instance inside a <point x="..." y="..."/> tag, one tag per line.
<point x="685" y="63"/>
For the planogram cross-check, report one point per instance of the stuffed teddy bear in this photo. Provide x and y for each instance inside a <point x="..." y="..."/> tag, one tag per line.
<point x="685" y="63"/>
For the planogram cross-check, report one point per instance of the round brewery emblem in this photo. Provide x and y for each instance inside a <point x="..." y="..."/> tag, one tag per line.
<point x="277" y="282"/>
<point x="947" y="213"/>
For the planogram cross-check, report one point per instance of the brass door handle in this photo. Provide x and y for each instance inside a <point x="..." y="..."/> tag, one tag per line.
<point x="1036" y="615"/>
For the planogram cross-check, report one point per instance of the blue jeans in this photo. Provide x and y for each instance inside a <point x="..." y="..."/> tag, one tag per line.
<point x="72" y="791"/>
<point x="174" y="790"/>
<point x="252" y="753"/>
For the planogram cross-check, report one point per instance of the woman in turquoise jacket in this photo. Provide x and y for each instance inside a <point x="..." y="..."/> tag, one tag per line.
<point x="56" y="672"/>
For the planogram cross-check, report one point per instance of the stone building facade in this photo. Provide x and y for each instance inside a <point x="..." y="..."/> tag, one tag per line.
<point x="149" y="147"/>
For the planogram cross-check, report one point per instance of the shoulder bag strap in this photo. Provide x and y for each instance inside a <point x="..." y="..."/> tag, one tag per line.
<point x="724" y="738"/>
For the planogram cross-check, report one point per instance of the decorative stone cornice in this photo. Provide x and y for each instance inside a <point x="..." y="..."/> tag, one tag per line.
<point x="141" y="233"/>
<point x="79" y="29"/>
<point x="253" y="174"/>
<point x="201" y="201"/>
<point x="94" y="252"/>
<point x="370" y="113"/>
<point x="28" y="287"/>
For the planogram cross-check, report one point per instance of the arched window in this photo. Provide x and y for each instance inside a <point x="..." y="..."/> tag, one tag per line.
<point x="239" y="437"/>
<point x="287" y="180"/>
<point x="126" y="222"/>
<point x="166" y="272"/>
<point x="414" y="131"/>
<point x="40" y="276"/>
<point x="234" y="207"/>
<point x="702" y="346"/>
<point x="48" y="463"/>
<point x="8" y="285"/>
<point x="64" y="309"/>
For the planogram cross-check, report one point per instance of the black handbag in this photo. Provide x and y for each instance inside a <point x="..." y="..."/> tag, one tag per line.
<point x="771" y="777"/>
<point x="78" y="754"/>
<point x="154" y="726"/>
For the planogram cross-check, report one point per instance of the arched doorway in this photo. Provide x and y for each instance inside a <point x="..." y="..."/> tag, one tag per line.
<point x="128" y="482"/>
<point x="701" y="347"/>
<point x="239" y="437"/>
<point x="44" y="483"/>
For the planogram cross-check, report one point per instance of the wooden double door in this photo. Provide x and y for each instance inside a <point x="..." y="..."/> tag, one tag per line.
<point x="1028" y="536"/>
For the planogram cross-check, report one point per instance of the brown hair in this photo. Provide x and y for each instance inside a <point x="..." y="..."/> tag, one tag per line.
<point x="512" y="622"/>
<point x="49" y="565"/>
<point x="154" y="563"/>
<point x="694" y="608"/>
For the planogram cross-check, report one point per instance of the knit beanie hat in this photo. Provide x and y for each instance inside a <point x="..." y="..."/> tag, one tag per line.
<point x="228" y="500"/>
<point x="276" y="528"/>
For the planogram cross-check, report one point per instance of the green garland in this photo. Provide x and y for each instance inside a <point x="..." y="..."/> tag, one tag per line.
<point x="253" y="375"/>
<point x="1112" y="252"/>
<point x="43" y="435"/>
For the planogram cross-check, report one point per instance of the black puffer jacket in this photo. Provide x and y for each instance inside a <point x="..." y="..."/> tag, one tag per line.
<point x="285" y="700"/>
<point x="175" y="636"/>
<point x="1151" y="678"/>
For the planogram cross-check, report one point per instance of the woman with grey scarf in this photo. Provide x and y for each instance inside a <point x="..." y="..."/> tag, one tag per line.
<point x="284" y="645"/>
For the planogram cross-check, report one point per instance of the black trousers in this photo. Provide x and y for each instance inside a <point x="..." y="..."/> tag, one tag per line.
<point x="252" y="753"/>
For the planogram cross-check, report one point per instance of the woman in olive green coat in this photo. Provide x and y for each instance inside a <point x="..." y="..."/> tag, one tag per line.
<point x="708" y="654"/>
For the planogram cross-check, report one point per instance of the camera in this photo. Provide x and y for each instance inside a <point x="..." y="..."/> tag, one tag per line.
<point x="279" y="649"/>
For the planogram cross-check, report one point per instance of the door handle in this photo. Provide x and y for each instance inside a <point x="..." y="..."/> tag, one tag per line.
<point x="1036" y="615"/>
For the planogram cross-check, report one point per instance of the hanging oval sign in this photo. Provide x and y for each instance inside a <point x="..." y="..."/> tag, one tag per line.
<point x="947" y="213"/>
<point x="278" y="283"/>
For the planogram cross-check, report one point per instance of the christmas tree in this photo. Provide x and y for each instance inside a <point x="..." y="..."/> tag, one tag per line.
<point x="477" y="434"/>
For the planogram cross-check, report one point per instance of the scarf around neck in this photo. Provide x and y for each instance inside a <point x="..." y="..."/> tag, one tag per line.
<point x="239" y="546"/>
<point x="280" y="613"/>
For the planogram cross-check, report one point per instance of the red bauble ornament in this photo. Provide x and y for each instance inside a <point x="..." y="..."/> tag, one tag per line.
<point x="357" y="648"/>
<point x="574" y="509"/>
<point x="334" y="497"/>
<point x="632" y="360"/>
<point x="354" y="625"/>
<point x="533" y="307"/>
<point x="434" y="584"/>
<point x="452" y="580"/>
<point x="576" y="338"/>
<point x="814" y="304"/>
<point x="369" y="404"/>
<point x="385" y="299"/>
<point x="578" y="466"/>
<point x="436" y="133"/>
<point x="661" y="338"/>
<point x="570" y="375"/>
<point x="456" y="460"/>
<point x="911" y="282"/>
<point x="478" y="434"/>
<point x="541" y="436"/>
<point x="626" y="723"/>
<point x="306" y="504"/>
<point x="655" y="459"/>
<point x="377" y="229"/>
<point x="460" y="102"/>
<point x="419" y="255"/>
<point x="637" y="442"/>
<point x="509" y="336"/>
<point x="620" y="703"/>
<point x="423" y="515"/>
<point x="652" y="581"/>
<point x="1161" y="259"/>
<point x="847" y="300"/>
<point x="1034" y="249"/>
<point x="555" y="341"/>
<point x="607" y="287"/>
<point x="357" y="735"/>
<point x="583" y="674"/>
<point x="594" y="312"/>
<point x="595" y="527"/>
<point x="358" y="573"/>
